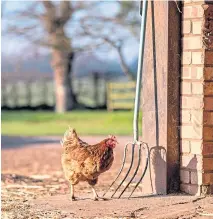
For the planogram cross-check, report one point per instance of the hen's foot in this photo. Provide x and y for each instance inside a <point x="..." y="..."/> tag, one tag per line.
<point x="72" y="198"/>
<point x="97" y="198"/>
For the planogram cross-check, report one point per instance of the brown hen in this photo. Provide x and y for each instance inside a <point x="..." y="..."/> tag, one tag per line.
<point x="84" y="162"/>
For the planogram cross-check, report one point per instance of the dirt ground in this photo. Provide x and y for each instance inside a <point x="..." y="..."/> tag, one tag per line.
<point x="33" y="186"/>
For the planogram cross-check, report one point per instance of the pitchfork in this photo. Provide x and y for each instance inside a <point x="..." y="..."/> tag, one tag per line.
<point x="136" y="143"/>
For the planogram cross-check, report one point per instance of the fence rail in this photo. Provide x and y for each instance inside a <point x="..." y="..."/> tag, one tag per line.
<point x="120" y="95"/>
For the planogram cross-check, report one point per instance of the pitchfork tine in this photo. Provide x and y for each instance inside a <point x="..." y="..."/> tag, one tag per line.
<point x="146" y="166"/>
<point x="119" y="173"/>
<point x="130" y="167"/>
<point x="143" y="12"/>
<point x="135" y="173"/>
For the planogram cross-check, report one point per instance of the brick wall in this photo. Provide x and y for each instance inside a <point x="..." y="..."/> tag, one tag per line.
<point x="197" y="98"/>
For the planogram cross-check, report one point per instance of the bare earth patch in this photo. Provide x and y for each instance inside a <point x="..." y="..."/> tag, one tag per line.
<point x="33" y="186"/>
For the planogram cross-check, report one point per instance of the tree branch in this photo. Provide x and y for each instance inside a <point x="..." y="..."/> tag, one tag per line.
<point x="116" y="45"/>
<point x="50" y="8"/>
<point x="65" y="11"/>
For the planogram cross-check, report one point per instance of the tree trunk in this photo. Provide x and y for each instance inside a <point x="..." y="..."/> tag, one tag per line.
<point x="63" y="90"/>
<point x="62" y="72"/>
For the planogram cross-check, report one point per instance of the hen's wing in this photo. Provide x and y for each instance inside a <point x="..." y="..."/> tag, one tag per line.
<point x="73" y="146"/>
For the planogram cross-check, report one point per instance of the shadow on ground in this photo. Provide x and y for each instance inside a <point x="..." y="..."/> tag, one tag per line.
<point x="16" y="142"/>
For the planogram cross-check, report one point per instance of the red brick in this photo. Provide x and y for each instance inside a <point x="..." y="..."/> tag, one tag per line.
<point x="197" y="58"/>
<point x="207" y="148"/>
<point x="186" y="72"/>
<point x="196" y="178"/>
<point x="208" y="118"/>
<point x="208" y="178"/>
<point x="197" y="88"/>
<point x="208" y="133"/>
<point x="197" y="27"/>
<point x="208" y="57"/>
<point x="207" y="164"/>
<point x="197" y="73"/>
<point x="184" y="176"/>
<point x="186" y="58"/>
<point x="208" y="74"/>
<point x="186" y="88"/>
<point x="186" y="26"/>
<point x="196" y="147"/>
<point x="185" y="146"/>
<point x="192" y="42"/>
<point x="208" y="88"/>
<point x="192" y="102"/>
<point x="208" y="103"/>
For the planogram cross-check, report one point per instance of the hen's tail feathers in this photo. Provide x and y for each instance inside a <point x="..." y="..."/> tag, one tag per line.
<point x="69" y="135"/>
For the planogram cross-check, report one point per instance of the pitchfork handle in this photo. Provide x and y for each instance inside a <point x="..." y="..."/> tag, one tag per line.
<point x="143" y="12"/>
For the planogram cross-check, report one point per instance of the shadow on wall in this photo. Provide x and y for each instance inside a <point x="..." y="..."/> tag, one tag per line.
<point x="193" y="177"/>
<point x="158" y="170"/>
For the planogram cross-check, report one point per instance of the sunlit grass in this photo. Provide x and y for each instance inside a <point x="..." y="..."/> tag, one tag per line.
<point x="28" y="123"/>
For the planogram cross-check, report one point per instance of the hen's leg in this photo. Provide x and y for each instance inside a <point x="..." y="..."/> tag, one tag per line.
<point x="95" y="195"/>
<point x="72" y="197"/>
<point x="93" y="183"/>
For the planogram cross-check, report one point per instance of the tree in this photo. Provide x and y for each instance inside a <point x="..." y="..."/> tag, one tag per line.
<point x="46" y="26"/>
<point x="61" y="50"/>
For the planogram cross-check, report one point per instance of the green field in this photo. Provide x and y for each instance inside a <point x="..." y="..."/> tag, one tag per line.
<point x="28" y="123"/>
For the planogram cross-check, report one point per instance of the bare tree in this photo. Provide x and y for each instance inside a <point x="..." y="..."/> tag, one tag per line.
<point x="53" y="20"/>
<point x="61" y="50"/>
<point x="47" y="27"/>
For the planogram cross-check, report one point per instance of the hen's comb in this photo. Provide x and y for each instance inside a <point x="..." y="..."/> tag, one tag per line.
<point x="113" y="138"/>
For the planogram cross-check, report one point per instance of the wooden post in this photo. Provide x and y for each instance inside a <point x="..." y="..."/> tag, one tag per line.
<point x="160" y="96"/>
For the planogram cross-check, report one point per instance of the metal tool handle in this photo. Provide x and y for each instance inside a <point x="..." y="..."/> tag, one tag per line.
<point x="143" y="12"/>
<point x="141" y="7"/>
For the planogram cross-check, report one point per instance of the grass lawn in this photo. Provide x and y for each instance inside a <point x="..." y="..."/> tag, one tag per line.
<point x="28" y="123"/>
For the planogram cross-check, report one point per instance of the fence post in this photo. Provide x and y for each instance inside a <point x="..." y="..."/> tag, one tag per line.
<point x="105" y="91"/>
<point x="45" y="92"/>
<point x="3" y="99"/>
<point x="14" y="92"/>
<point x="95" y="83"/>
<point x="108" y="91"/>
<point x="29" y="92"/>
